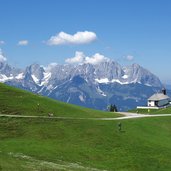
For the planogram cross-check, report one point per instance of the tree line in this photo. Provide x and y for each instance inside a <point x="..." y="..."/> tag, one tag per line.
<point x="112" y="108"/>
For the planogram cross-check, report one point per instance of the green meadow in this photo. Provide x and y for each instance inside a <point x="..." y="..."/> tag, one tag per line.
<point x="143" y="144"/>
<point x="49" y="144"/>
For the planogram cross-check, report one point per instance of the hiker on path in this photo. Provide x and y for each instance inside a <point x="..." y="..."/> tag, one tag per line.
<point x="119" y="126"/>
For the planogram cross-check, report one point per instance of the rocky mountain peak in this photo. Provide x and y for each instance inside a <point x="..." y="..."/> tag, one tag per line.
<point x="90" y="85"/>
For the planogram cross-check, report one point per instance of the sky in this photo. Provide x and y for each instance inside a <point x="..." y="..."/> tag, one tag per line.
<point x="74" y="31"/>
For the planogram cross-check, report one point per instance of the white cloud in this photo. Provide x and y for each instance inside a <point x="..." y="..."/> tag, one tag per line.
<point x="129" y="58"/>
<point x="50" y="66"/>
<point x="2" y="57"/>
<point x="2" y="42"/>
<point x="96" y="59"/>
<point x="80" y="57"/>
<point x="63" y="38"/>
<point x="23" y="43"/>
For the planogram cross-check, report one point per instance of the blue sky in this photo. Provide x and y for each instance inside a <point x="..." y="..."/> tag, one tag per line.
<point x="128" y="31"/>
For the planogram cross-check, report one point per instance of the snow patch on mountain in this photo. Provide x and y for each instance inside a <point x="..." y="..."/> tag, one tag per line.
<point x="100" y="91"/>
<point x="20" y="76"/>
<point x="4" y="78"/>
<point x="47" y="76"/>
<point x="102" y="80"/>
<point x="81" y="98"/>
<point x="36" y="80"/>
<point x="107" y="81"/>
<point x="125" y="76"/>
<point x="118" y="81"/>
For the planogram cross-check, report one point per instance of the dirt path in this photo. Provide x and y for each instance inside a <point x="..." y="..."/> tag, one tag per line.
<point x="126" y="116"/>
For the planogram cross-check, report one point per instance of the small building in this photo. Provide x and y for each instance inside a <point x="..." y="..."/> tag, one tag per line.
<point x="159" y="99"/>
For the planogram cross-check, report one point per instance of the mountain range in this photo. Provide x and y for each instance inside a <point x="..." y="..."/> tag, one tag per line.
<point x="90" y="85"/>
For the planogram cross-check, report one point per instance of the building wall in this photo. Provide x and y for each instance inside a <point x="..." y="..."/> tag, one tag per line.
<point x="151" y="103"/>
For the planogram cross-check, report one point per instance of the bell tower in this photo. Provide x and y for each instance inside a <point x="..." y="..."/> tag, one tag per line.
<point x="164" y="91"/>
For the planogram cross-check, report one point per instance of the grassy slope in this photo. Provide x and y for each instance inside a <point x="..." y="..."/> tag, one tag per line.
<point x="153" y="111"/>
<point x="144" y="144"/>
<point x="15" y="101"/>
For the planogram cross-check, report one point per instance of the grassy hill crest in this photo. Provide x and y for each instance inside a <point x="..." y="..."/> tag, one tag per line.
<point x="19" y="102"/>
